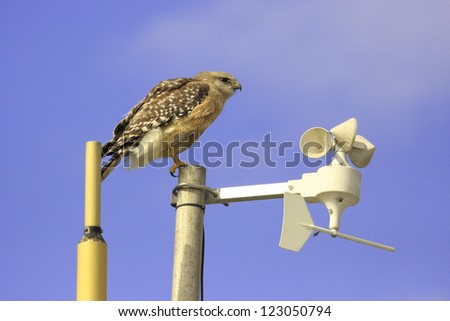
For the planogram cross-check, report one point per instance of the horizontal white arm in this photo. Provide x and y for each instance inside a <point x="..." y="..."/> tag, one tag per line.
<point x="248" y="193"/>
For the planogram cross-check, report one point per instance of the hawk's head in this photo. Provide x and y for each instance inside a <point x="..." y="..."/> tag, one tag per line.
<point x="224" y="81"/>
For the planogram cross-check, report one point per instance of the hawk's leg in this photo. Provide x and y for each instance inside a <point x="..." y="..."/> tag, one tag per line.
<point x="176" y="163"/>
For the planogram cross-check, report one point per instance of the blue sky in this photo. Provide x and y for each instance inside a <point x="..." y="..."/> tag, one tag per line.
<point x="71" y="69"/>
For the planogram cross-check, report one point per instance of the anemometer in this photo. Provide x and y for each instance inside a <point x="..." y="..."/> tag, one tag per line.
<point x="336" y="185"/>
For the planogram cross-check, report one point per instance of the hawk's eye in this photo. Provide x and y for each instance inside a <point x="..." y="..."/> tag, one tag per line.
<point x="225" y="79"/>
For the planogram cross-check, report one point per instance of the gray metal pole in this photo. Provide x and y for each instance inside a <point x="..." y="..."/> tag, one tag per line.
<point x="188" y="234"/>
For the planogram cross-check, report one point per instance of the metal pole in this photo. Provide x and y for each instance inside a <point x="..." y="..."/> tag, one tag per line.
<point x="92" y="249"/>
<point x="188" y="234"/>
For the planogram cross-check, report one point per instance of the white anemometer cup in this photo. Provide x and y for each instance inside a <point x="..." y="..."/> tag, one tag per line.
<point x="336" y="185"/>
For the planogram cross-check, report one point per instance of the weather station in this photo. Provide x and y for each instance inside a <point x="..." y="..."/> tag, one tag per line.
<point x="336" y="185"/>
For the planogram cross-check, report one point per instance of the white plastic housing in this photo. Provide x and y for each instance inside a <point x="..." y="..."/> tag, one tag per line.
<point x="338" y="187"/>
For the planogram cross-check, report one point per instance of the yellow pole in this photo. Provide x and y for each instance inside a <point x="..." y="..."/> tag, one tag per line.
<point x="92" y="184"/>
<point x="92" y="249"/>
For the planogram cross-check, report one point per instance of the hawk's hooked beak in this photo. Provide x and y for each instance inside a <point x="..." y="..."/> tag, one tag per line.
<point x="237" y="86"/>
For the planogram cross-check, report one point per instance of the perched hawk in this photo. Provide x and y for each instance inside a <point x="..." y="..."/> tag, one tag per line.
<point x="169" y="120"/>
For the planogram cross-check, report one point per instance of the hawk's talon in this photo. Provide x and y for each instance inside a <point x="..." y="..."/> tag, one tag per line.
<point x="176" y="165"/>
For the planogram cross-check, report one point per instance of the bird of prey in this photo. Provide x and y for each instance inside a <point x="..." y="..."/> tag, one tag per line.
<point x="169" y="120"/>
